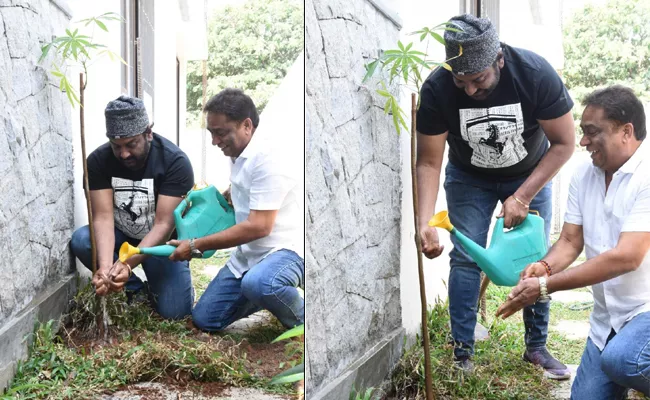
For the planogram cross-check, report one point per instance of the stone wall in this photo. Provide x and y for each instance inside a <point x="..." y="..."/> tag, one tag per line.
<point x="353" y="200"/>
<point x="36" y="203"/>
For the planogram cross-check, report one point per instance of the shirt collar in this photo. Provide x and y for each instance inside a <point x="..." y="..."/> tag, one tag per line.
<point x="251" y="148"/>
<point x="634" y="161"/>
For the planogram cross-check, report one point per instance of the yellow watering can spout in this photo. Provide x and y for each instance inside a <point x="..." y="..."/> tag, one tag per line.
<point x="126" y="251"/>
<point x="441" y="220"/>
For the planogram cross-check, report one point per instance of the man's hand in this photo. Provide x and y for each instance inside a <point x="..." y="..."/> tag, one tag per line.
<point x="182" y="252"/>
<point x="524" y="294"/>
<point x="431" y="246"/>
<point x="100" y="280"/>
<point x="118" y="275"/>
<point x="535" y="269"/>
<point x="226" y="195"/>
<point x="512" y="212"/>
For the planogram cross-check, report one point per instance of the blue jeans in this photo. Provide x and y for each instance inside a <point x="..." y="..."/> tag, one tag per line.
<point x="271" y="285"/>
<point x="170" y="282"/>
<point x="623" y="363"/>
<point x="471" y="202"/>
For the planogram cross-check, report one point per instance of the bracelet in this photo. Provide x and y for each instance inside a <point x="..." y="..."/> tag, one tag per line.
<point x="130" y="270"/>
<point x="545" y="264"/>
<point x="519" y="201"/>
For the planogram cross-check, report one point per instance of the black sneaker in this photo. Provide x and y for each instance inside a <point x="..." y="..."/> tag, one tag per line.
<point x="553" y="369"/>
<point x="465" y="365"/>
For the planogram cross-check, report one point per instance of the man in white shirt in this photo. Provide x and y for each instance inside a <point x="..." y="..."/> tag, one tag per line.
<point x="608" y="213"/>
<point x="267" y="266"/>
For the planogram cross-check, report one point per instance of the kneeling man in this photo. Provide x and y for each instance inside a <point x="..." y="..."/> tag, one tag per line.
<point x="608" y="213"/>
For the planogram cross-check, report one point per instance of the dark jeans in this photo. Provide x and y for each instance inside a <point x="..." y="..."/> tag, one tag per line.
<point x="271" y="284"/>
<point x="170" y="282"/>
<point x="623" y="363"/>
<point x="471" y="202"/>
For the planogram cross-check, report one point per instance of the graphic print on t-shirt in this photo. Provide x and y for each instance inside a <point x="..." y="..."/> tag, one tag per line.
<point x="134" y="206"/>
<point x="494" y="134"/>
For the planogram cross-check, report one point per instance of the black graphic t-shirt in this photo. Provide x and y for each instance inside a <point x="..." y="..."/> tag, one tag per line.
<point x="168" y="172"/>
<point x="499" y="137"/>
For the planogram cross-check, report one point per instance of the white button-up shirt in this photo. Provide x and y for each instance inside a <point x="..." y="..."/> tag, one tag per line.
<point x="604" y="215"/>
<point x="264" y="178"/>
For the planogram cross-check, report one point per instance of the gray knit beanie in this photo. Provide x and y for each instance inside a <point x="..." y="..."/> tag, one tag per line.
<point x="125" y="117"/>
<point x="480" y="44"/>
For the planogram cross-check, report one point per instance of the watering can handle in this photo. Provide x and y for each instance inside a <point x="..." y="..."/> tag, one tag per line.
<point x="180" y="209"/>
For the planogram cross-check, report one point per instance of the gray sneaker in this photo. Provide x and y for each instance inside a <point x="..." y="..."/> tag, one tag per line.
<point x="465" y="365"/>
<point x="553" y="369"/>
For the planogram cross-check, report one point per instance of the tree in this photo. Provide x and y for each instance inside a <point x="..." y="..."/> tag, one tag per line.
<point x="251" y="47"/>
<point x="607" y="44"/>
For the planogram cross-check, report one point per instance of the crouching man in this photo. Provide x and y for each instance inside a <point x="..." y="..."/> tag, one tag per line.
<point x="267" y="266"/>
<point x="608" y="213"/>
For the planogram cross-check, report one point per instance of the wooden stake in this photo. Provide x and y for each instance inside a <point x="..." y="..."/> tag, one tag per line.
<point x="99" y="310"/>
<point x="418" y="245"/>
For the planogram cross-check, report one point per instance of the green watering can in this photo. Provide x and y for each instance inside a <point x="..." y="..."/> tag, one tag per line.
<point x="208" y="213"/>
<point x="509" y="252"/>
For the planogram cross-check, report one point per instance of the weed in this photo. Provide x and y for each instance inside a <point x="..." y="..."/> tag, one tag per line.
<point x="142" y="346"/>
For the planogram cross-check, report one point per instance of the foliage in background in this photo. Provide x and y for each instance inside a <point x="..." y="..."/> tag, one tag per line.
<point x="75" y="48"/>
<point x="606" y="44"/>
<point x="251" y="47"/>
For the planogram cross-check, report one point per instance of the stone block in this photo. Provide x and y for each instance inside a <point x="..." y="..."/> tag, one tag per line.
<point x="16" y="31"/>
<point x="21" y="78"/>
<point x="28" y="108"/>
<point x="11" y="188"/>
<point x="6" y="155"/>
<point x="339" y="55"/>
<point x="317" y="192"/>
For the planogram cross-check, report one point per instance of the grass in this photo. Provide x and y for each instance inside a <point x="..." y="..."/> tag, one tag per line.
<point x="500" y="371"/>
<point x="75" y="364"/>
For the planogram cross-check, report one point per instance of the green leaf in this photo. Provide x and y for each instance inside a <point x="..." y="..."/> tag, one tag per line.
<point x="387" y="105"/>
<point x="408" y="47"/>
<point x="400" y="45"/>
<point x="44" y="51"/>
<point x="293" y="332"/>
<point x="101" y="25"/>
<point x="439" y="38"/>
<point x="293" y="374"/>
<point x="370" y="70"/>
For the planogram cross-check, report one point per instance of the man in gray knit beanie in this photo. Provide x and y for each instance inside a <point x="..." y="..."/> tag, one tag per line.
<point x="479" y="42"/>
<point x="506" y="116"/>
<point x="125" y="117"/>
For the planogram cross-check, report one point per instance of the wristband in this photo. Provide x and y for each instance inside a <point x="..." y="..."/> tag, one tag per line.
<point x="545" y="264"/>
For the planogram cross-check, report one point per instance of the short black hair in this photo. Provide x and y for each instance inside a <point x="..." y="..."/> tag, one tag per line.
<point x="234" y="104"/>
<point x="620" y="104"/>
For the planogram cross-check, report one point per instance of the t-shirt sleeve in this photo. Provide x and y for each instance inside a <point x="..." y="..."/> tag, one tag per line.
<point x="271" y="181"/>
<point x="179" y="177"/>
<point x="553" y="99"/>
<point x="638" y="220"/>
<point x="573" y="214"/>
<point x="430" y="118"/>
<point x="98" y="179"/>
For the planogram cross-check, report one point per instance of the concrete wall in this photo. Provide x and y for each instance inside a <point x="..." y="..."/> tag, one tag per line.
<point x="353" y="203"/>
<point x="36" y="189"/>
